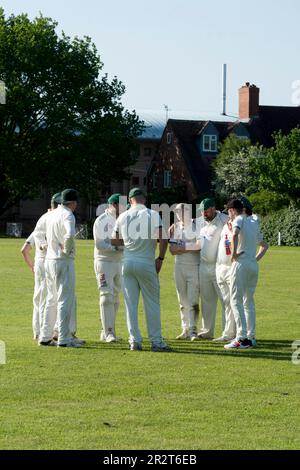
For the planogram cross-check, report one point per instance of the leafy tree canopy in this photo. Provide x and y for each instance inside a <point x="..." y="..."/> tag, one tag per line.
<point x="63" y="124"/>
<point x="279" y="169"/>
<point x="235" y="172"/>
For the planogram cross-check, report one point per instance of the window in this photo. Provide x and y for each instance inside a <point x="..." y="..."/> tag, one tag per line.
<point x="169" y="138"/>
<point x="147" y="151"/>
<point x="135" y="180"/>
<point x="154" y="180"/>
<point x="210" y="143"/>
<point x="167" y="179"/>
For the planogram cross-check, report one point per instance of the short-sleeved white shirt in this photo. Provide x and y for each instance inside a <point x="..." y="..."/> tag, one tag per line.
<point x="60" y="227"/>
<point x="223" y="257"/>
<point x="39" y="254"/>
<point x="210" y="235"/>
<point x="102" y="231"/>
<point x="186" y="234"/>
<point x="138" y="227"/>
<point x="249" y="235"/>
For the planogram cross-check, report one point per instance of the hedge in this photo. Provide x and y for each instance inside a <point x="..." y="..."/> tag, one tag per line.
<point x="285" y="221"/>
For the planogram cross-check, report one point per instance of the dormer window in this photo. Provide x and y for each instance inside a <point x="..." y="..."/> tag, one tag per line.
<point x="167" y="179"/>
<point x="169" y="138"/>
<point x="210" y="143"/>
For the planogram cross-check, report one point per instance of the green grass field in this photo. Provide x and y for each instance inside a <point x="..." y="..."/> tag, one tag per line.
<point x="106" y="397"/>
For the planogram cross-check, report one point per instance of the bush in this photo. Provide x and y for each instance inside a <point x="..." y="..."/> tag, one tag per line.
<point x="265" y="202"/>
<point x="285" y="221"/>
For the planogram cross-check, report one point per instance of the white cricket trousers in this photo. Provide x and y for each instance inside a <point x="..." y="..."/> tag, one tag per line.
<point x="244" y="276"/>
<point x="209" y="295"/>
<point x="108" y="275"/>
<point x="39" y="295"/>
<point x="73" y="319"/>
<point x="139" y="276"/>
<point x="60" y="275"/>
<point x="223" y="273"/>
<point x="187" y="288"/>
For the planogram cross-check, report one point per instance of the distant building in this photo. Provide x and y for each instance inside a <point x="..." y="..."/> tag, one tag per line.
<point x="188" y="147"/>
<point x="178" y="153"/>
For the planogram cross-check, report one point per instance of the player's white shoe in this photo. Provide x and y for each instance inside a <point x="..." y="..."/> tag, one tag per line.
<point x="111" y="338"/>
<point x="72" y="344"/>
<point x="243" y="344"/>
<point x="160" y="347"/>
<point x="184" y="335"/>
<point x="223" y="339"/>
<point x="51" y="342"/>
<point x="136" y="346"/>
<point x="78" y="340"/>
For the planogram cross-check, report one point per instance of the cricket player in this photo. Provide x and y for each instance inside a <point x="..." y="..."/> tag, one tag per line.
<point x="186" y="270"/>
<point x="40" y="289"/>
<point x="108" y="267"/>
<point x="249" y="304"/>
<point x="60" y="272"/>
<point x="244" y="273"/>
<point x="38" y="267"/>
<point x="138" y="230"/>
<point x="212" y="223"/>
<point x="223" y="274"/>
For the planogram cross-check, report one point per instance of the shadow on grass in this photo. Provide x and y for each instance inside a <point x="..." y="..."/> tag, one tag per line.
<point x="277" y="350"/>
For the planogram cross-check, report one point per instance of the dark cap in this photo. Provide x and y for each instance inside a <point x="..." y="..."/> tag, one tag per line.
<point x="56" y="198"/>
<point x="114" y="198"/>
<point x="235" y="204"/>
<point x="135" y="192"/>
<point x="246" y="203"/>
<point x="69" y="195"/>
<point x="207" y="204"/>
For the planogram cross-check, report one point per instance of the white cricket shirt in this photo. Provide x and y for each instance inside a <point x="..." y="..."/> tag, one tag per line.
<point x="138" y="227"/>
<point x="223" y="257"/>
<point x="210" y="235"/>
<point x="186" y="234"/>
<point x="60" y="232"/>
<point x="249" y="235"/>
<point x="102" y="231"/>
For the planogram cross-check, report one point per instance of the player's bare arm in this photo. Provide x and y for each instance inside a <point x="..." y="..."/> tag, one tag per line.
<point x="26" y="248"/>
<point x="235" y="241"/>
<point x="163" y="245"/>
<point x="263" y="248"/>
<point x="116" y="240"/>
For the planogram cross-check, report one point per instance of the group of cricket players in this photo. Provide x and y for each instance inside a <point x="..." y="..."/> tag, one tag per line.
<point x="216" y="258"/>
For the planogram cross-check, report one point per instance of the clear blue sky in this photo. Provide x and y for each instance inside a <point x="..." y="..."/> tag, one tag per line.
<point x="172" y="51"/>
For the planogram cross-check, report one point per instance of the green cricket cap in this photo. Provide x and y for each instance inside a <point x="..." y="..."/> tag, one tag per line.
<point x="246" y="203"/>
<point x="56" y="198"/>
<point x="206" y="204"/>
<point x="135" y="192"/>
<point x="114" y="198"/>
<point x="69" y="195"/>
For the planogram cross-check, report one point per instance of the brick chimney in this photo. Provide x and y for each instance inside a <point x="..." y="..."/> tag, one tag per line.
<point x="248" y="101"/>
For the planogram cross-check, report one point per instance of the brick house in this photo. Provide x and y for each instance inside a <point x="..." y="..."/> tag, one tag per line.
<point x="188" y="147"/>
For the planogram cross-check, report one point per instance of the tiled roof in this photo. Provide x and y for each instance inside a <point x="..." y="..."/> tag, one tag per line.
<point x="273" y="119"/>
<point x="155" y="121"/>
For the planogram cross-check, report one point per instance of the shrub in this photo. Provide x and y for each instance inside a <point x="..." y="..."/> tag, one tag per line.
<point x="285" y="221"/>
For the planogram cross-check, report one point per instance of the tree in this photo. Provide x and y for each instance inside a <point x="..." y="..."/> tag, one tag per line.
<point x="63" y="124"/>
<point x="279" y="169"/>
<point x="235" y="171"/>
